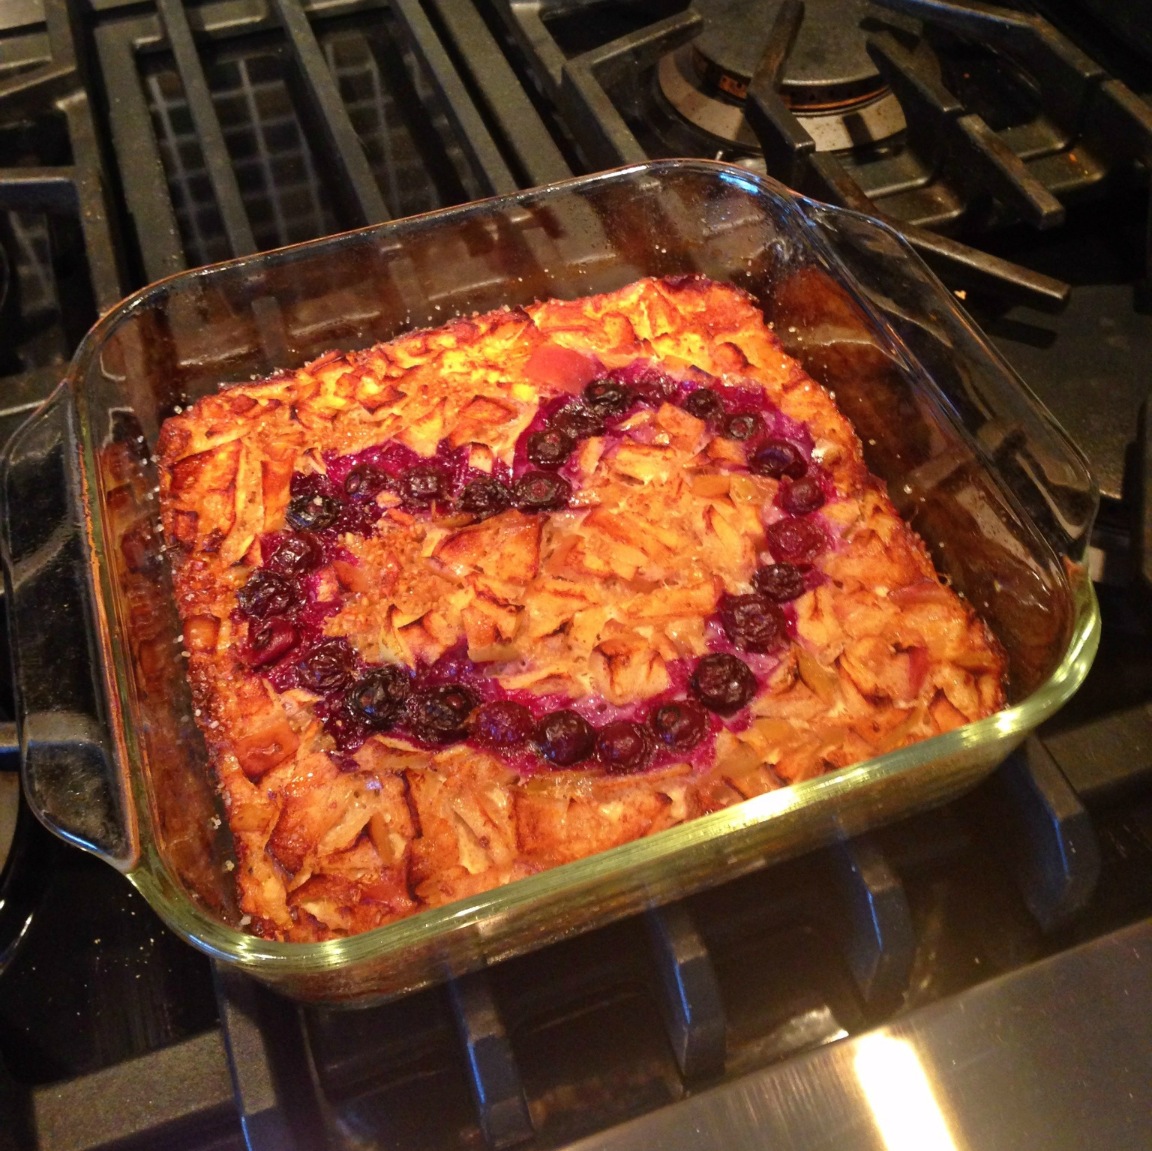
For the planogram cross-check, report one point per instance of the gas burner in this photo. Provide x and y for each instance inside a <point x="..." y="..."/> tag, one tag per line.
<point x="830" y="82"/>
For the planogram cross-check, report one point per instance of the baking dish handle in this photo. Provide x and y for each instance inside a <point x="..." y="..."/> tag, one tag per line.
<point x="70" y="775"/>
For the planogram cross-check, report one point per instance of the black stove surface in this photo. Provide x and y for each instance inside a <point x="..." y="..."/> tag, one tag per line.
<point x="140" y="138"/>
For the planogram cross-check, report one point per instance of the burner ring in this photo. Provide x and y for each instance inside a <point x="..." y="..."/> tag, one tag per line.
<point x="868" y="118"/>
<point x="808" y="96"/>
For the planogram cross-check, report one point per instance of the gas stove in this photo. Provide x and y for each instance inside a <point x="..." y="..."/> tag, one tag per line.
<point x="992" y="956"/>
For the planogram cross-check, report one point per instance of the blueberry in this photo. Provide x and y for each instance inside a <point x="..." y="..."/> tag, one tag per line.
<point x="423" y="484"/>
<point x="608" y="398"/>
<point x="485" y="496"/>
<point x="802" y="496"/>
<point x="378" y="696"/>
<point x="704" y="404"/>
<point x="652" y="386"/>
<point x="578" y="421"/>
<point x="296" y="553"/>
<point x="549" y="448"/>
<point x="622" y="747"/>
<point x="780" y="582"/>
<point x="723" y="683"/>
<point x="753" y="622"/>
<point x="270" y="640"/>
<point x="266" y="594"/>
<point x="795" y="541"/>
<point x="743" y="426"/>
<point x="363" y="482"/>
<point x="564" y="738"/>
<point x="541" y="492"/>
<point x="328" y="667"/>
<point x="440" y="714"/>
<point x="312" y="511"/>
<point x="503" y="723"/>
<point x="778" y="458"/>
<point x="679" y="725"/>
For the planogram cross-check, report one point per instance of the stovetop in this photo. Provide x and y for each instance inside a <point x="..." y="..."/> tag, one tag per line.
<point x="137" y="139"/>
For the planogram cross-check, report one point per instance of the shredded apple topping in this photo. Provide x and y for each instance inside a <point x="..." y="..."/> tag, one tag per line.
<point x="494" y="597"/>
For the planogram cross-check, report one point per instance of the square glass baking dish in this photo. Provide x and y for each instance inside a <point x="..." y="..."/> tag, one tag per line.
<point x="111" y="755"/>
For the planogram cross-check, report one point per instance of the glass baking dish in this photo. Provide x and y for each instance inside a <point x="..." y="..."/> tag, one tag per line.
<point x="112" y="758"/>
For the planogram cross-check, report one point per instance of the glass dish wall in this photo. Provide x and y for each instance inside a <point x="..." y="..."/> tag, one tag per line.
<point x="970" y="458"/>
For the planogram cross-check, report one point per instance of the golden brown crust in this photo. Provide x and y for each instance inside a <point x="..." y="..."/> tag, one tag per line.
<point x="608" y="599"/>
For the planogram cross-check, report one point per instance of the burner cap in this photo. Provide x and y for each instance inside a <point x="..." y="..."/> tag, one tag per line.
<point x="828" y="66"/>
<point x="829" y="82"/>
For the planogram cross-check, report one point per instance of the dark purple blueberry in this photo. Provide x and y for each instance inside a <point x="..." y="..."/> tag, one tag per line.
<point x="743" y="426"/>
<point x="680" y="725"/>
<point x="652" y="386"/>
<point x="802" y="496"/>
<point x="423" y="484"/>
<point x="795" y="541"/>
<point x="578" y="421"/>
<point x="266" y="593"/>
<point x="564" y="738"/>
<point x="723" y="683"/>
<point x="608" y="398"/>
<point x="622" y="747"/>
<point x="485" y="496"/>
<point x="296" y="553"/>
<point x="704" y="404"/>
<point x="778" y="458"/>
<point x="270" y="640"/>
<point x="378" y="696"/>
<point x="440" y="714"/>
<point x="753" y="622"/>
<point x="549" y="448"/>
<point x="363" y="482"/>
<point x="312" y="511"/>
<point x="780" y="582"/>
<point x="503" y="723"/>
<point x="328" y="667"/>
<point x="541" y="492"/>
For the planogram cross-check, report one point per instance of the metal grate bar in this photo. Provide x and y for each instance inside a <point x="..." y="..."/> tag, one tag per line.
<point x="873" y="922"/>
<point x="785" y="140"/>
<point x="602" y="132"/>
<point x="92" y="204"/>
<point x="1065" y="75"/>
<point x="178" y="1096"/>
<point x="29" y="92"/>
<point x="493" y="1074"/>
<point x="356" y="184"/>
<point x="220" y="170"/>
<point x="277" y="1112"/>
<point x="38" y="189"/>
<point x="1004" y="174"/>
<point x="1046" y="834"/>
<point x="959" y="264"/>
<point x="475" y="139"/>
<point x="537" y="155"/>
<point x="935" y="115"/>
<point x="137" y="152"/>
<point x="691" y="1005"/>
<point x="430" y="128"/>
<point x="78" y="190"/>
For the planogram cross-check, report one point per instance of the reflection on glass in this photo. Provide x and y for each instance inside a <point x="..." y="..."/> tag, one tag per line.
<point x="894" y="1083"/>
